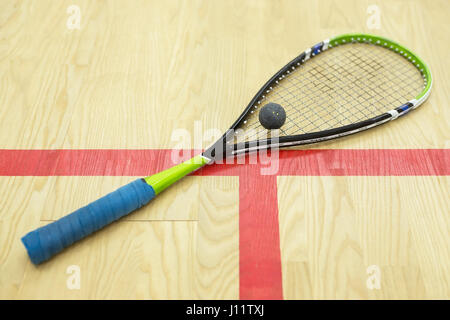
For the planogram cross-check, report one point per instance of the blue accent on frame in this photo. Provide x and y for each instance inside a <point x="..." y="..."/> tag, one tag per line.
<point x="405" y="107"/>
<point x="316" y="49"/>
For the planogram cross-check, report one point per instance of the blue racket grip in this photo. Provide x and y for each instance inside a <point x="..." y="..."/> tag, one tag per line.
<point x="43" y="243"/>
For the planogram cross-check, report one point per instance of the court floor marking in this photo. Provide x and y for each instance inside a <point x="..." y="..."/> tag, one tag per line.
<point x="259" y="246"/>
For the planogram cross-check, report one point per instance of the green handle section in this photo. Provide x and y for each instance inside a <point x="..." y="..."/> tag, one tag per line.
<point x="166" y="178"/>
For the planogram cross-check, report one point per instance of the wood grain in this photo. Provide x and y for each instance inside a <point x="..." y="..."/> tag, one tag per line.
<point x="333" y="228"/>
<point x="135" y="72"/>
<point x="166" y="250"/>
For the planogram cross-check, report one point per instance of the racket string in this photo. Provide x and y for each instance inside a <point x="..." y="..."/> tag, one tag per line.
<point x="341" y="86"/>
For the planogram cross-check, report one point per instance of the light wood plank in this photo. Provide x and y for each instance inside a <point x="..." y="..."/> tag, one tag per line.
<point x="193" y="254"/>
<point x="333" y="228"/>
<point x="137" y="71"/>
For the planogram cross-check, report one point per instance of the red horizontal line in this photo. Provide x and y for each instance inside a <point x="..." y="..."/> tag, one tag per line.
<point x="260" y="264"/>
<point x="318" y="162"/>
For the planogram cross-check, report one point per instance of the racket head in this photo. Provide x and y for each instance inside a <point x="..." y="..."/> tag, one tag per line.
<point x="338" y="87"/>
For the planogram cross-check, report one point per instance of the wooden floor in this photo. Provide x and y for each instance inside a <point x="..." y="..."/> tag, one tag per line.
<point x="134" y="72"/>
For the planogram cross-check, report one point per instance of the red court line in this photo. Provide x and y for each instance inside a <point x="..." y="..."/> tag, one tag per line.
<point x="259" y="249"/>
<point x="259" y="239"/>
<point x="339" y="162"/>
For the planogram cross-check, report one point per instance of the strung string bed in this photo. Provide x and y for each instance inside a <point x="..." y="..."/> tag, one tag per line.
<point x="340" y="86"/>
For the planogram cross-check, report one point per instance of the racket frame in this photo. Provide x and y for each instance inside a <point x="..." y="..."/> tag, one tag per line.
<point x="222" y="149"/>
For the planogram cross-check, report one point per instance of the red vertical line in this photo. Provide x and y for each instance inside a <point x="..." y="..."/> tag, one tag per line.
<point x="259" y="239"/>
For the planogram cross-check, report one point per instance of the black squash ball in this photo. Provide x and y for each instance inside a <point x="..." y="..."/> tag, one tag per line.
<point x="272" y="116"/>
